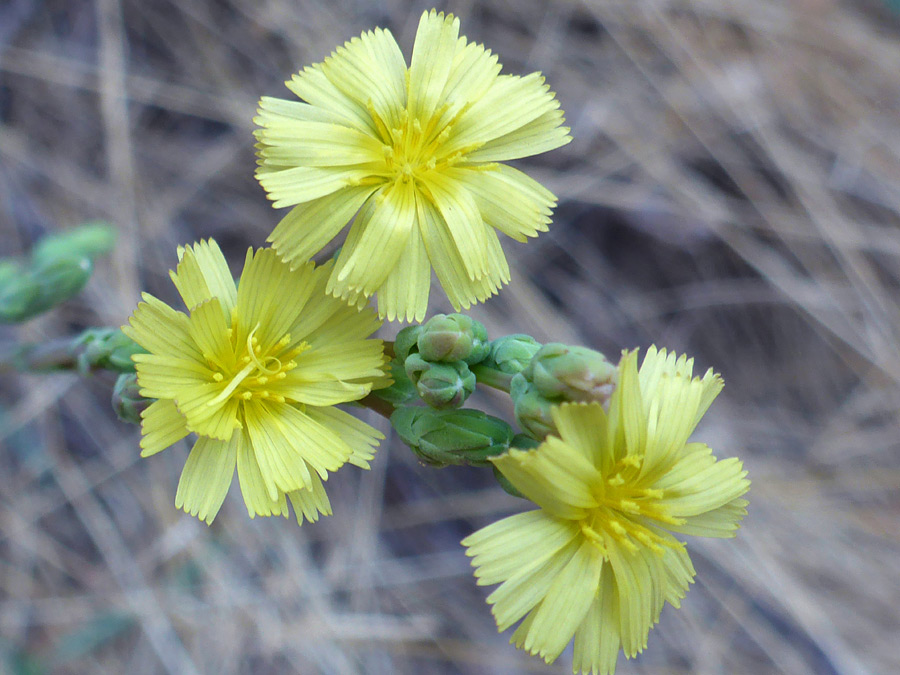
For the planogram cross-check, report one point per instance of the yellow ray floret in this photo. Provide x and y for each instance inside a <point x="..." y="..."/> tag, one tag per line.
<point x="254" y="371"/>
<point x="412" y="156"/>
<point x="598" y="560"/>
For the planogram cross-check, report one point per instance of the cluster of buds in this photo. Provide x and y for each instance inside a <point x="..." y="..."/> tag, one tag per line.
<point x="437" y="356"/>
<point x="555" y="374"/>
<point x="58" y="268"/>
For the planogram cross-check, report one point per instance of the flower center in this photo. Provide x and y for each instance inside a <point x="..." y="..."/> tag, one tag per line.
<point x="255" y="370"/>
<point x="625" y="512"/>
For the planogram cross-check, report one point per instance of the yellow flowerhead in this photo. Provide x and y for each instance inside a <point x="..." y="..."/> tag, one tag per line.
<point x="414" y="153"/>
<point x="598" y="560"/>
<point x="254" y="372"/>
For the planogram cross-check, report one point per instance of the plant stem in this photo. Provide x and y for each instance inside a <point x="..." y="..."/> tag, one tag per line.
<point x="492" y="378"/>
<point x="39" y="358"/>
<point x="380" y="406"/>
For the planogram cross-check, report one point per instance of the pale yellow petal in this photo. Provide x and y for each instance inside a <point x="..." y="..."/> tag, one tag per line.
<point x="161" y="330"/>
<point x="344" y="361"/>
<point x="520" y="542"/>
<point x="280" y="461"/>
<point x="209" y="331"/>
<point x="315" y="88"/>
<point x="554" y="476"/>
<point x="448" y="265"/>
<point x="696" y="486"/>
<point x="432" y="58"/>
<point x="722" y="523"/>
<point x="287" y="142"/>
<point x="308" y="227"/>
<point x="404" y="294"/>
<point x="583" y="427"/>
<point x="541" y="134"/>
<point x="639" y="593"/>
<point x="271" y="297"/>
<point x="362" y="438"/>
<point x="206" y="477"/>
<point x="371" y="70"/>
<point x="206" y="413"/>
<point x="161" y="426"/>
<point x="511" y="103"/>
<point x="381" y="234"/>
<point x="471" y="75"/>
<point x="287" y="187"/>
<point x="310" y="503"/>
<point x="463" y="221"/>
<point x="508" y="200"/>
<point x="253" y="487"/>
<point x="565" y="604"/>
<point x="167" y="376"/>
<point x="202" y="273"/>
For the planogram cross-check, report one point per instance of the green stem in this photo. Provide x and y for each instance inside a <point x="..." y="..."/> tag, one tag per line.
<point x="39" y="358"/>
<point x="379" y="405"/>
<point x="492" y="378"/>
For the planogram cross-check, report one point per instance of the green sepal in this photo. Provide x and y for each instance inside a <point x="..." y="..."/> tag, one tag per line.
<point x="401" y="390"/>
<point x="127" y="400"/>
<point x="106" y="349"/>
<point x="445" y="437"/>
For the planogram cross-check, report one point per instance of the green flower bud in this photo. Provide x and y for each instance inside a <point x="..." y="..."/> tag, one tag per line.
<point x="453" y="337"/>
<point x="106" y="348"/>
<point x="533" y="413"/>
<point x="401" y="391"/>
<point x="444" y="437"/>
<point x="59" y="278"/>
<point x="405" y="342"/>
<point x="89" y="240"/>
<point x="18" y="292"/>
<point x="568" y="373"/>
<point x="444" y="385"/>
<point x="512" y="353"/>
<point x="126" y="399"/>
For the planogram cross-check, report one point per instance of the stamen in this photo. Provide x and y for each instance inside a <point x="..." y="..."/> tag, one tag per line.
<point x="218" y="377"/>
<point x="227" y="391"/>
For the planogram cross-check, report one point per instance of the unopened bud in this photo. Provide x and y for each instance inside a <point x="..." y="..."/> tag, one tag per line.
<point x="532" y="412"/>
<point x="405" y="342"/>
<point x="453" y="337"/>
<point x="441" y="385"/>
<point x="59" y="278"/>
<point x="444" y="437"/>
<point x="89" y="240"/>
<point x="18" y="292"/>
<point x="568" y="373"/>
<point x="401" y="390"/>
<point x="106" y="348"/>
<point x="127" y="400"/>
<point x="511" y="354"/>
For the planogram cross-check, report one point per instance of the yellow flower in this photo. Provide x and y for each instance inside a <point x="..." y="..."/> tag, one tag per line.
<point x="598" y="560"/>
<point x="254" y="372"/>
<point x="414" y="153"/>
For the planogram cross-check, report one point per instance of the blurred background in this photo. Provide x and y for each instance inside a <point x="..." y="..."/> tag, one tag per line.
<point x="732" y="191"/>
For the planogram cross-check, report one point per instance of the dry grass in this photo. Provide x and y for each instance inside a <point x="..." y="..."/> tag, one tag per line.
<point x="733" y="191"/>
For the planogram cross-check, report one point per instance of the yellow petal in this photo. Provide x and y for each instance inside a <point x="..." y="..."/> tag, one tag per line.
<point x="161" y="330"/>
<point x="209" y="331"/>
<point x="253" y="487"/>
<point x="362" y="438"/>
<point x="162" y="376"/>
<point x="509" y="200"/>
<point x="371" y="69"/>
<point x="287" y="187"/>
<point x="473" y="72"/>
<point x="216" y="421"/>
<point x="695" y="485"/>
<point x="376" y="241"/>
<point x="517" y="543"/>
<point x="310" y="503"/>
<point x="308" y="227"/>
<point x="315" y="88"/>
<point x="510" y="104"/>
<point x="280" y="460"/>
<point x="554" y="476"/>
<point x="565" y="604"/>
<point x="582" y="426"/>
<point x="161" y="426"/>
<point x="432" y="58"/>
<point x="463" y="221"/>
<point x="271" y="297"/>
<point x="203" y="273"/>
<point x="206" y="477"/>
<point x="345" y="361"/>
<point x="541" y="134"/>
<point x="448" y="265"/>
<point x="721" y="523"/>
<point x="404" y="295"/>
<point x="287" y="143"/>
